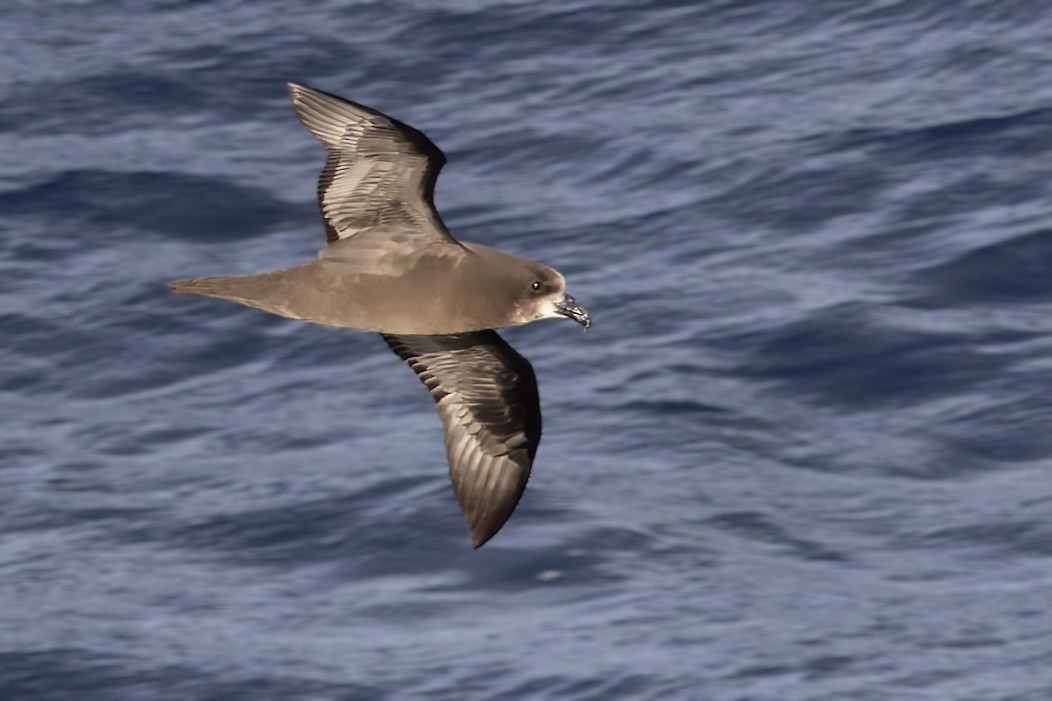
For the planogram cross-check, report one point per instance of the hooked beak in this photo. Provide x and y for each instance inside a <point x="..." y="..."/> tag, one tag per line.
<point x="568" y="307"/>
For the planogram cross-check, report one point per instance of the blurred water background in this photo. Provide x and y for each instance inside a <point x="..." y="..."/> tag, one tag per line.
<point x="804" y="453"/>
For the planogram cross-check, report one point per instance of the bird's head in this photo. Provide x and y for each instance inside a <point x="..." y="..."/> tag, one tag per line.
<point x="542" y="295"/>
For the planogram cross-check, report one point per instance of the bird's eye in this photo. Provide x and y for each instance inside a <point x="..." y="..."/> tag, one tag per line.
<point x="535" y="286"/>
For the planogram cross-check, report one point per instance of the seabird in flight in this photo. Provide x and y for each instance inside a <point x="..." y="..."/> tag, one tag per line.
<point x="391" y="266"/>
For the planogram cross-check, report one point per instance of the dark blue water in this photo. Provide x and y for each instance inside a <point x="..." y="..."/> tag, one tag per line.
<point x="804" y="454"/>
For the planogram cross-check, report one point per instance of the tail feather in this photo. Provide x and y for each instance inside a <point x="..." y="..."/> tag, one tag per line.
<point x="189" y="286"/>
<point x="232" y="288"/>
<point x="267" y="291"/>
<point x="244" y="289"/>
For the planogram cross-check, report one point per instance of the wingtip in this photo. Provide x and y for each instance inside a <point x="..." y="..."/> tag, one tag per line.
<point x="480" y="535"/>
<point x="295" y="90"/>
<point x="300" y="93"/>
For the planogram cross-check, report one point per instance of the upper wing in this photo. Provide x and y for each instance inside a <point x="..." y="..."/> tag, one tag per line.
<point x="379" y="171"/>
<point x="486" y="395"/>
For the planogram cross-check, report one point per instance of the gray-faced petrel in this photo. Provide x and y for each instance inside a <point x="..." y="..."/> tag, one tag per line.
<point x="391" y="266"/>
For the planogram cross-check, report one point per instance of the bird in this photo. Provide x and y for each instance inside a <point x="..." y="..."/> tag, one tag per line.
<point x="390" y="266"/>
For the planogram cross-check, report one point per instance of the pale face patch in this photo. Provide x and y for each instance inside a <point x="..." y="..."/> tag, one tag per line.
<point x="547" y="309"/>
<point x="539" y="308"/>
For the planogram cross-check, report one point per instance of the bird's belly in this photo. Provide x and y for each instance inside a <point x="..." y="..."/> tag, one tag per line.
<point x="420" y="304"/>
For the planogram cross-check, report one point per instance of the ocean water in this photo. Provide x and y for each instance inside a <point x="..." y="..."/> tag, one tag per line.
<point x="805" y="453"/>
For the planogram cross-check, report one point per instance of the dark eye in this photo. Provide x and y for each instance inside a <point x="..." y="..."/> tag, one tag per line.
<point x="535" y="286"/>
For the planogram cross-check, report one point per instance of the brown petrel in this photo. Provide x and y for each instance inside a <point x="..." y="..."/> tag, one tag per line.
<point x="391" y="266"/>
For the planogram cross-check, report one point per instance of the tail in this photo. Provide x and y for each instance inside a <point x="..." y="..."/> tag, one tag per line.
<point x="204" y="286"/>
<point x="252" y="290"/>
<point x="267" y="291"/>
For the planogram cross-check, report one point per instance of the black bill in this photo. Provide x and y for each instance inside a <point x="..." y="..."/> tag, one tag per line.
<point x="568" y="307"/>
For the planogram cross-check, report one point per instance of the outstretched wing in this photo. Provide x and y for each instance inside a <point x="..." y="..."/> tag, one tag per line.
<point x="379" y="172"/>
<point x="486" y="395"/>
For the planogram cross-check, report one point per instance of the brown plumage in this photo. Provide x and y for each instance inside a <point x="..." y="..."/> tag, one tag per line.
<point x="391" y="266"/>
